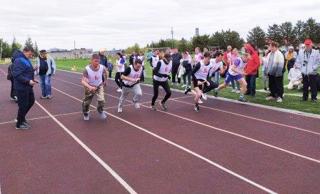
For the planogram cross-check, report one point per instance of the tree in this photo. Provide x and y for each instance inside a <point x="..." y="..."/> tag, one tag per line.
<point x="28" y="43"/>
<point x="200" y="41"/>
<point x="225" y="38"/>
<point x="287" y="33"/>
<point x="274" y="33"/>
<point x="299" y="31"/>
<point x="257" y="37"/>
<point x="15" y="45"/>
<point x="312" y="30"/>
<point x="5" y="49"/>
<point x="36" y="49"/>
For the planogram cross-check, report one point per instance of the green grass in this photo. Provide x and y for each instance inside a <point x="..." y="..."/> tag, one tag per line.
<point x="289" y="102"/>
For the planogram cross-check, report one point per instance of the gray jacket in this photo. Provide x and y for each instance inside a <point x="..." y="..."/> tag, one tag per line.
<point x="308" y="66"/>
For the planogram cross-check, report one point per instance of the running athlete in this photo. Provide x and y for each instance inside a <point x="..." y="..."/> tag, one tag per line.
<point x="120" y="69"/>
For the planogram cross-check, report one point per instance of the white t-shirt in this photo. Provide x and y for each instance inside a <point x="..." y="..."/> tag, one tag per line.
<point x="215" y="66"/>
<point x="121" y="65"/>
<point x="94" y="77"/>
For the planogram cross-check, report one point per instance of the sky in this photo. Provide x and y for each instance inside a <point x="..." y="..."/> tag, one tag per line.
<point x="122" y="23"/>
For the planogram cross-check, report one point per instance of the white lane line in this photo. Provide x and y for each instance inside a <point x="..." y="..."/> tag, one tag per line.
<point x="235" y="134"/>
<point x="182" y="148"/>
<point x="94" y="155"/>
<point x="228" y="112"/>
<point x="252" y="118"/>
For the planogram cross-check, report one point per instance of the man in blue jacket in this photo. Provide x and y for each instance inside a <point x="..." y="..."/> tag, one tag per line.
<point x="23" y="74"/>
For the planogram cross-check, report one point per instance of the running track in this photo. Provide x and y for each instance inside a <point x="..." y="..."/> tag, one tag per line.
<point x="225" y="148"/>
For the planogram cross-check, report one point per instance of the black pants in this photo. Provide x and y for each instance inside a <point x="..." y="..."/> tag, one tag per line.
<point x="110" y="73"/>
<point x="187" y="76"/>
<point x="174" y="73"/>
<point x="251" y="85"/>
<point x="117" y="78"/>
<point x="276" y="86"/>
<point x="25" y="102"/>
<point x="207" y="88"/>
<point x="309" y="81"/>
<point x="12" y="91"/>
<point x="166" y="88"/>
<point x="142" y="75"/>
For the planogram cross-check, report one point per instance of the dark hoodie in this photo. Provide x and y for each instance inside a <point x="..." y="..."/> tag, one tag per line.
<point x="253" y="63"/>
<point x="22" y="71"/>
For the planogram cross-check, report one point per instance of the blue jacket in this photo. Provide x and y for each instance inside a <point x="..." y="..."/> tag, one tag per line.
<point x="22" y="71"/>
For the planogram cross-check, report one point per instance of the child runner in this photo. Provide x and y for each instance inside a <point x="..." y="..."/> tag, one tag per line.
<point x="93" y="85"/>
<point x="120" y="69"/>
<point x="235" y="72"/>
<point x="160" y="78"/>
<point x="199" y="77"/>
<point x="131" y="79"/>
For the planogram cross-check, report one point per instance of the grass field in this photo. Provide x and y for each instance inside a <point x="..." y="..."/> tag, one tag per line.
<point x="290" y="101"/>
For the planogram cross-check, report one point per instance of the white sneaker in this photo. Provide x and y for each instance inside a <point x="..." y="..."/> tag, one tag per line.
<point x="119" y="90"/>
<point x="103" y="115"/>
<point x="184" y="85"/>
<point x="204" y="96"/>
<point x="270" y="98"/>
<point x="279" y="99"/>
<point x="233" y="90"/>
<point x="200" y="101"/>
<point x="119" y="110"/>
<point x="86" y="116"/>
<point x="137" y="105"/>
<point x="238" y="91"/>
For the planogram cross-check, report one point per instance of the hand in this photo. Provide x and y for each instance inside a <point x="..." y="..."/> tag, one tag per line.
<point x="208" y="83"/>
<point x="92" y="89"/>
<point x="137" y="80"/>
<point x="33" y="82"/>
<point x="200" y="83"/>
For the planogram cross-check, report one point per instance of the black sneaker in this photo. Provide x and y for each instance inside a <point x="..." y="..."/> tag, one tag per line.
<point x="187" y="90"/>
<point x="26" y="123"/>
<point x="196" y="107"/>
<point x="215" y="93"/>
<point x="243" y="99"/>
<point x="314" y="100"/>
<point x="22" y="127"/>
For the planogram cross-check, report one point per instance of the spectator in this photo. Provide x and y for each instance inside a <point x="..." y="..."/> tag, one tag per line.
<point x="308" y="62"/>
<point x="176" y="57"/>
<point x="251" y="69"/>
<point x="275" y="72"/>
<point x="13" y="96"/>
<point x="295" y="78"/>
<point x="290" y="58"/>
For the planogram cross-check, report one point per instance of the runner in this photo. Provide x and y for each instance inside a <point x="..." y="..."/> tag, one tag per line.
<point x="160" y="78"/>
<point x="235" y="72"/>
<point x="131" y="78"/>
<point x="93" y="85"/>
<point x="120" y="69"/>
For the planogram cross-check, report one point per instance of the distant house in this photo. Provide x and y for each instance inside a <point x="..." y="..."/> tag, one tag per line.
<point x="82" y="53"/>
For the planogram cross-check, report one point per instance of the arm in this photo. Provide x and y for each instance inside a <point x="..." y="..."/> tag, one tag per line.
<point x="85" y="82"/>
<point x="195" y="69"/>
<point x="127" y="72"/>
<point x="18" y="70"/>
<point x="53" y="65"/>
<point x="156" y="71"/>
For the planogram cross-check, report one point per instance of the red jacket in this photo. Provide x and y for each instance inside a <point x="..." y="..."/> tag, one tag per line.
<point x="253" y="63"/>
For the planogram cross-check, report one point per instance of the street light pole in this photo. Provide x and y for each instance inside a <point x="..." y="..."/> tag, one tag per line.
<point x="172" y="36"/>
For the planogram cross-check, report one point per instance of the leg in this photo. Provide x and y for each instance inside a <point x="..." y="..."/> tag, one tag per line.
<point x="305" y="80"/>
<point x="100" y="99"/>
<point x="87" y="101"/>
<point x="43" y="85"/>
<point x="48" y="85"/>
<point x="253" y="85"/>
<point x="117" y="79"/>
<point x="166" y="88"/>
<point x="23" y="104"/>
<point x="155" y="92"/>
<point x="313" y="85"/>
<point x="137" y="93"/>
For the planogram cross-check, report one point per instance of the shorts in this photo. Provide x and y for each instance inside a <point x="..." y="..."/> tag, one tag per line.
<point x="230" y="78"/>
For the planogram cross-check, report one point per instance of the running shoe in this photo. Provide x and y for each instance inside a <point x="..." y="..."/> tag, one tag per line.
<point x="86" y="116"/>
<point x="204" y="96"/>
<point x="196" y="108"/>
<point x="137" y="105"/>
<point x="163" y="106"/>
<point x="103" y="115"/>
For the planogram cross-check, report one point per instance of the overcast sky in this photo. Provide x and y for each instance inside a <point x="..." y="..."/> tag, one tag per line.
<point x="121" y="23"/>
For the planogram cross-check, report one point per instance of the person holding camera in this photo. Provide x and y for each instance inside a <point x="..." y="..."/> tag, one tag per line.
<point x="308" y="62"/>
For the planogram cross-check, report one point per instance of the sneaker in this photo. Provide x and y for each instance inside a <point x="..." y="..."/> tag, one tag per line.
<point x="238" y="91"/>
<point x="314" y="100"/>
<point x="119" y="109"/>
<point x="215" y="93"/>
<point x="163" y="106"/>
<point x="196" y="108"/>
<point x="103" y="115"/>
<point x="22" y="127"/>
<point x="187" y="90"/>
<point x="137" y="105"/>
<point x="270" y="98"/>
<point x="43" y="97"/>
<point x="233" y="90"/>
<point x="119" y="90"/>
<point x="13" y="98"/>
<point x="26" y="123"/>
<point x="279" y="99"/>
<point x="49" y="97"/>
<point x="204" y="96"/>
<point x="200" y="101"/>
<point x="86" y="116"/>
<point x="153" y="107"/>
<point x="242" y="99"/>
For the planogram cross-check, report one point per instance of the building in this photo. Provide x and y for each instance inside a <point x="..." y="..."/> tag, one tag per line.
<point x="82" y="53"/>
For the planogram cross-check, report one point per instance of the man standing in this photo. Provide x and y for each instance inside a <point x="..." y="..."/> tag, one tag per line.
<point x="93" y="85"/>
<point x="275" y="60"/>
<point x="308" y="62"/>
<point x="46" y="67"/>
<point x="176" y="57"/>
<point x="23" y="74"/>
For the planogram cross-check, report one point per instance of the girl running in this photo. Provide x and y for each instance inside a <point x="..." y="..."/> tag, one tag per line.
<point x="160" y="78"/>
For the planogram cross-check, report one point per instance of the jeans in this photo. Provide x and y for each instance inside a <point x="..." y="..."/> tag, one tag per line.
<point x="251" y="87"/>
<point x="45" y="84"/>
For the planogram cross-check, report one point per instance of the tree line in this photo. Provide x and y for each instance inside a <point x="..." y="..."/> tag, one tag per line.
<point x="6" y="49"/>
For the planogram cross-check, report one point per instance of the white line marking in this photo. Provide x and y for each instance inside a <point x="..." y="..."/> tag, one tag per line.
<point x="234" y="134"/>
<point x="227" y="112"/>
<point x="252" y="118"/>
<point x="95" y="156"/>
<point x="181" y="148"/>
